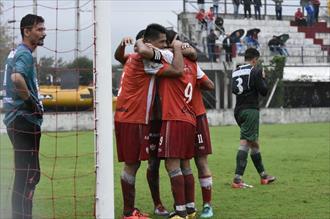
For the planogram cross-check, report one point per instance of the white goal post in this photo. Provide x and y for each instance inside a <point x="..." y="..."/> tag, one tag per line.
<point x="103" y="111"/>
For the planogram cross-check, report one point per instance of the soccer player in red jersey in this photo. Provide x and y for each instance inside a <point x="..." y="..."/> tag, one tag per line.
<point x="203" y="143"/>
<point x="177" y="135"/>
<point x="154" y="135"/>
<point x="134" y="102"/>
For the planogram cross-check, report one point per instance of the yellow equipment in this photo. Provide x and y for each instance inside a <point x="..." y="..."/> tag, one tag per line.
<point x="54" y="97"/>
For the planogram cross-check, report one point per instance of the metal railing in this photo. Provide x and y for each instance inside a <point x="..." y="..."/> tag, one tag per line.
<point x="268" y="7"/>
<point x="297" y="54"/>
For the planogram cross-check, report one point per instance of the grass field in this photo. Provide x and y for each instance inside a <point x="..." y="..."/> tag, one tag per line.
<point x="298" y="154"/>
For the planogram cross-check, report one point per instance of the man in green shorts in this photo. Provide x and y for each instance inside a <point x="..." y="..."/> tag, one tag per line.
<point x="248" y="82"/>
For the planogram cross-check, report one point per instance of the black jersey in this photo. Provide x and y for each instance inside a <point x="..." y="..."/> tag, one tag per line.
<point x="247" y="84"/>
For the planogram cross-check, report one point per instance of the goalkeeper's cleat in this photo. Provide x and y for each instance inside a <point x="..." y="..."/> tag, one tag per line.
<point x="174" y="215"/>
<point x="241" y="185"/>
<point x="137" y="214"/>
<point x="267" y="179"/>
<point x="207" y="211"/>
<point x="160" y="210"/>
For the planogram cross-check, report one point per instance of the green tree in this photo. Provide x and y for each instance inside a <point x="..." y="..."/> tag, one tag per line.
<point x="273" y="72"/>
<point x="84" y="66"/>
<point x="5" y="41"/>
<point x="47" y="67"/>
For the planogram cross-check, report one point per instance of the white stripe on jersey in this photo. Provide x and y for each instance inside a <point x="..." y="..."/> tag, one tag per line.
<point x="158" y="55"/>
<point x="241" y="72"/>
<point x="167" y="55"/>
<point x="200" y="72"/>
<point x="149" y="97"/>
<point x="151" y="67"/>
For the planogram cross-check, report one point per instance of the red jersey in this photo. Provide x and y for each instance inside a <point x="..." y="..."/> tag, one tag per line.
<point x="197" y="102"/>
<point x="197" y="99"/>
<point x="137" y="90"/>
<point x="176" y="95"/>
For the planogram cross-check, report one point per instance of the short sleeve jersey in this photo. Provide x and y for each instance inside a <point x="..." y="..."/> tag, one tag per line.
<point x="176" y="95"/>
<point x="247" y="84"/>
<point x="197" y="99"/>
<point x="20" y="60"/>
<point x="136" y="93"/>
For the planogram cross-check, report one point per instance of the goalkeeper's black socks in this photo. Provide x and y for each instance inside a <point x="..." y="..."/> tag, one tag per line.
<point x="257" y="161"/>
<point x="241" y="162"/>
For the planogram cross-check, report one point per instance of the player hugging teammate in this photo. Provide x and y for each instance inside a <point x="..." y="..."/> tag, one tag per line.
<point x="155" y="119"/>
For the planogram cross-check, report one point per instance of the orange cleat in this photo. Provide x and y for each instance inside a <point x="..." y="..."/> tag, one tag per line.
<point x="137" y="214"/>
<point x="241" y="185"/>
<point x="267" y="180"/>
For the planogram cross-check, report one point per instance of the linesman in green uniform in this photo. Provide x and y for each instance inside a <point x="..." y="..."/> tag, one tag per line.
<point x="248" y="82"/>
<point x="23" y="114"/>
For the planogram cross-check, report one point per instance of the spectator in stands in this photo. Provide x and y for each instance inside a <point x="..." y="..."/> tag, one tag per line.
<point x="236" y="7"/>
<point x="310" y="13"/>
<point x="211" y="38"/>
<point x="275" y="45"/>
<point x="201" y="17"/>
<point x="236" y="39"/>
<point x="210" y="19"/>
<point x="299" y="18"/>
<point x="257" y="5"/>
<point x="200" y="4"/>
<point x="227" y="46"/>
<point x="247" y="7"/>
<point x="219" y="25"/>
<point x="316" y="6"/>
<point x="278" y="9"/>
<point x="251" y="41"/>
<point x="216" y="7"/>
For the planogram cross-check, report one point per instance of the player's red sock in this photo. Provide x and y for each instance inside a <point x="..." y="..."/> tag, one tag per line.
<point x="153" y="181"/>
<point x="189" y="185"/>
<point x="177" y="185"/>
<point x="128" y="196"/>
<point x="206" y="186"/>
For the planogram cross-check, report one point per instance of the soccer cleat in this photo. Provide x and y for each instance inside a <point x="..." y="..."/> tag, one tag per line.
<point x="174" y="215"/>
<point x="192" y="215"/>
<point x="267" y="179"/>
<point x="137" y="214"/>
<point x="160" y="210"/>
<point x="207" y="211"/>
<point x="240" y="185"/>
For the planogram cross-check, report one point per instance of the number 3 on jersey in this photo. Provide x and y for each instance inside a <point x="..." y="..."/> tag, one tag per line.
<point x="239" y="85"/>
<point x="188" y="92"/>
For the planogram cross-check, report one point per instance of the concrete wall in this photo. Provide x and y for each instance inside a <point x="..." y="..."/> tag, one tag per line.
<point x="70" y="121"/>
<point x="85" y="120"/>
<point x="273" y="116"/>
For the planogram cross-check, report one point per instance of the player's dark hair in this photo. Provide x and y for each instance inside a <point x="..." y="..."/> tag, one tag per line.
<point x="153" y="30"/>
<point x="28" y="21"/>
<point x="140" y="34"/>
<point x="170" y="34"/>
<point x="251" y="53"/>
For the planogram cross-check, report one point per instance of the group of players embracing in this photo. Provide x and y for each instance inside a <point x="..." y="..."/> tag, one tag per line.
<point x="160" y="115"/>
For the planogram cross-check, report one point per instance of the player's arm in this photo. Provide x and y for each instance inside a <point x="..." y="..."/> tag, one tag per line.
<point x="20" y="86"/>
<point x="147" y="52"/>
<point x="189" y="52"/>
<point x="176" y="68"/>
<point x="120" y="51"/>
<point x="203" y="82"/>
<point x="260" y="80"/>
